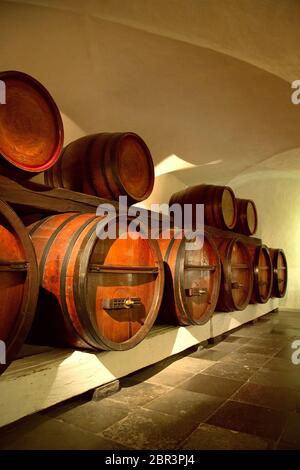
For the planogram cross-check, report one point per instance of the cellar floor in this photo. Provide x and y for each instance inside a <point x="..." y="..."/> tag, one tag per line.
<point x="242" y="392"/>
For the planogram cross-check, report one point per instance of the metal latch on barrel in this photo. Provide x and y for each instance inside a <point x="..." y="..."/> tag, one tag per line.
<point x="120" y="303"/>
<point x="6" y="265"/>
<point x="195" y="291"/>
<point x="236" y="285"/>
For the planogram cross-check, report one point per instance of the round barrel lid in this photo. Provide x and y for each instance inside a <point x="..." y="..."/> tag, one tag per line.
<point x="135" y="166"/>
<point x="241" y="274"/>
<point x="31" y="129"/>
<point x="201" y="281"/>
<point x="229" y="208"/>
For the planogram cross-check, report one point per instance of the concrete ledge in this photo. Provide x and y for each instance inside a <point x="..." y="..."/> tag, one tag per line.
<point x="38" y="381"/>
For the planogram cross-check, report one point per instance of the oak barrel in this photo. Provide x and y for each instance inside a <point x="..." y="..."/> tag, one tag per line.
<point x="31" y="128"/>
<point x="18" y="281"/>
<point x="108" y="165"/>
<point x="220" y="208"/>
<point x="192" y="281"/>
<point x="246" y="217"/>
<point x="96" y="293"/>
<point x="280" y="272"/>
<point x="237" y="275"/>
<point x="263" y="274"/>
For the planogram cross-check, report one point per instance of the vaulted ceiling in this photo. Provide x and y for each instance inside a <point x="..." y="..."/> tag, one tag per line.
<point x="207" y="81"/>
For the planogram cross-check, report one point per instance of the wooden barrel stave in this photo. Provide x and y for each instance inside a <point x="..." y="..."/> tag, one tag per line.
<point x="219" y="204"/>
<point x="19" y="282"/>
<point x="87" y="279"/>
<point x="192" y="286"/>
<point x="263" y="274"/>
<point x="237" y="275"/>
<point x="107" y="165"/>
<point x="280" y="272"/>
<point x="246" y="217"/>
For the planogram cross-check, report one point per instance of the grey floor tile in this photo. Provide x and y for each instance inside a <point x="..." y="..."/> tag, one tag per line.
<point x="291" y="434"/>
<point x="225" y="346"/>
<point x="216" y="386"/>
<point x="183" y="403"/>
<point x="231" y="370"/>
<point x="264" y="349"/>
<point x="276" y="378"/>
<point x="210" y="354"/>
<point x="236" y="339"/>
<point x="286" y="446"/>
<point x="51" y="434"/>
<point x="250" y="419"/>
<point x="169" y="377"/>
<point x="247" y="359"/>
<point x="190" y="364"/>
<point x="208" y="437"/>
<point x="137" y="394"/>
<point x="282" y="364"/>
<point x="149" y="429"/>
<point x="92" y="416"/>
<point x="269" y="397"/>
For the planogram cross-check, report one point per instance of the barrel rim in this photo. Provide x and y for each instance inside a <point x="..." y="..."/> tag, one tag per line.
<point x="242" y="225"/>
<point x="179" y="282"/>
<point x="116" y="163"/>
<point x="22" y="326"/>
<point x="276" y="290"/>
<point x="220" y="200"/>
<point x="54" y="109"/>
<point x="228" y="253"/>
<point x="259" y="298"/>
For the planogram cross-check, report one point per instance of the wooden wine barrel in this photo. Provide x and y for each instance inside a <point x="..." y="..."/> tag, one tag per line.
<point x="220" y="208"/>
<point x="192" y="281"/>
<point x="31" y="129"/>
<point x="18" y="281"/>
<point x="280" y="272"/>
<point x="101" y="294"/>
<point x="237" y="275"/>
<point x="107" y="165"/>
<point x="246" y="217"/>
<point x="263" y="274"/>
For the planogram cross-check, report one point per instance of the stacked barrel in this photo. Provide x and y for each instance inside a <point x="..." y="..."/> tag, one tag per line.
<point x="65" y="282"/>
<point x="251" y="272"/>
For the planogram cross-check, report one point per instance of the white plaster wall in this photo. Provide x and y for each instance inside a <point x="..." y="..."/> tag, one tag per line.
<point x="277" y="197"/>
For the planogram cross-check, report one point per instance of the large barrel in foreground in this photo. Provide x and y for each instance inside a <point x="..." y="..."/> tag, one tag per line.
<point x="237" y="275"/>
<point x="263" y="274"/>
<point x="220" y="208"/>
<point x="18" y="283"/>
<point x="31" y="129"/>
<point x="192" y="281"/>
<point x="97" y="293"/>
<point x="280" y="272"/>
<point x="107" y="165"/>
<point x="246" y="217"/>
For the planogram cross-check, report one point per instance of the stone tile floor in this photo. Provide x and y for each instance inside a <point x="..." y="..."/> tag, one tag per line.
<point x="242" y="392"/>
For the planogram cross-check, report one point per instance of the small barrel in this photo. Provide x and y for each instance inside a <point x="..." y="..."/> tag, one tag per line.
<point x="246" y="217"/>
<point x="220" y="208"/>
<point x="192" y="281"/>
<point x="237" y="275"/>
<point x="263" y="273"/>
<point x="107" y="165"/>
<point x="97" y="293"/>
<point x="19" y="284"/>
<point x="31" y="129"/>
<point x="280" y="272"/>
